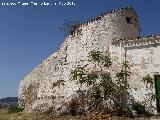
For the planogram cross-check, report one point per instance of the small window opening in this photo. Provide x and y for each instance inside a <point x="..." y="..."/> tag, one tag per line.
<point x="128" y="19"/>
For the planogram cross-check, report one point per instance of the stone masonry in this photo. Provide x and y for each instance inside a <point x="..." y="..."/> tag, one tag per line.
<point x="116" y="32"/>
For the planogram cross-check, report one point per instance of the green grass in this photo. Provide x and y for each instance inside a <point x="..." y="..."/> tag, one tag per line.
<point x="15" y="109"/>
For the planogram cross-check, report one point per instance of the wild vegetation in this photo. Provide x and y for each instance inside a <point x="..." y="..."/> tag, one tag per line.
<point x="69" y="27"/>
<point x="102" y="87"/>
<point x="105" y="98"/>
<point x="14" y="109"/>
<point x="4" y="115"/>
<point x="106" y="94"/>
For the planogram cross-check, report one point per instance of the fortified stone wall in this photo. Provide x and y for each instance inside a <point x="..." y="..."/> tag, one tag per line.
<point x="37" y="90"/>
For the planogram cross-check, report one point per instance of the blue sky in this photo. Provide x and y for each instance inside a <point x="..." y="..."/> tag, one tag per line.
<point x="30" y="34"/>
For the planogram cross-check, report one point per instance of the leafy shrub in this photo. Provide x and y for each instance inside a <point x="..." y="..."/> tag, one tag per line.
<point x="79" y="74"/>
<point x="139" y="107"/>
<point x="128" y="112"/>
<point x="106" y="84"/>
<point x="102" y="86"/>
<point x="95" y="56"/>
<point x="122" y="85"/>
<point x="148" y="79"/>
<point x="58" y="83"/>
<point x="15" y="109"/>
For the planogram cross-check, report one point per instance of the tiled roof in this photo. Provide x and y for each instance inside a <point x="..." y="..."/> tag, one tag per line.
<point x="138" y="38"/>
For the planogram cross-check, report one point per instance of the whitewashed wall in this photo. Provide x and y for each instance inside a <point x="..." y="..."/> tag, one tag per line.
<point x="36" y="90"/>
<point x="144" y="56"/>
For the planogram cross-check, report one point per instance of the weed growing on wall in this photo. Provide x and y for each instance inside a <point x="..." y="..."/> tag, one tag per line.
<point x="148" y="79"/>
<point x="69" y="27"/>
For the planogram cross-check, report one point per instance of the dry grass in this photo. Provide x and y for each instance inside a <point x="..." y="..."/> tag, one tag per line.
<point x="39" y="116"/>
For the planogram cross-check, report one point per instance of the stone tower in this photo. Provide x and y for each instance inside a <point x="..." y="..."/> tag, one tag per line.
<point x="98" y="33"/>
<point x="36" y="91"/>
<point x="121" y="24"/>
